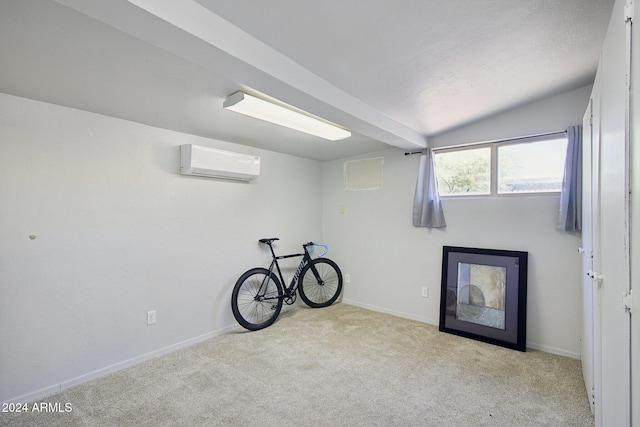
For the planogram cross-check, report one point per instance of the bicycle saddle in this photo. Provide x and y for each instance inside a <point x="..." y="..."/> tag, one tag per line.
<point x="268" y="241"/>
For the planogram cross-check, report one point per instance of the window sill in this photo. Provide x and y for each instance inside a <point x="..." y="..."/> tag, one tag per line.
<point x="500" y="196"/>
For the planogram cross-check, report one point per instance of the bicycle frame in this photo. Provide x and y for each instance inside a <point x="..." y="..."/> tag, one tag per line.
<point x="290" y="290"/>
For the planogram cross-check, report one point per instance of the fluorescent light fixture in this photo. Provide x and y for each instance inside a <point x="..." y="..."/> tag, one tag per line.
<point x="258" y="108"/>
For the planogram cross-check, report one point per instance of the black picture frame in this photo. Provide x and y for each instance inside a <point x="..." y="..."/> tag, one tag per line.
<point x="493" y="308"/>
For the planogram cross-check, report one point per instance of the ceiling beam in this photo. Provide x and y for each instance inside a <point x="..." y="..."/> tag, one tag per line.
<point x="189" y="30"/>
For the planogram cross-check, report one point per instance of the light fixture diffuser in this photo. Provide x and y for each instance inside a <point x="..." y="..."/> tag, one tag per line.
<point x="258" y="108"/>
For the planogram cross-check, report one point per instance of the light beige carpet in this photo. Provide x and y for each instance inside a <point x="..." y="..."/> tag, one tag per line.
<point x="337" y="366"/>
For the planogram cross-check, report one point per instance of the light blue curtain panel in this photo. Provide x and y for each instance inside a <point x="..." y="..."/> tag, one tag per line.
<point x="570" y="213"/>
<point x="427" y="208"/>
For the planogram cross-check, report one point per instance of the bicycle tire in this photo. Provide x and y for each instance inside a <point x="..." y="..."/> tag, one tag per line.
<point x="322" y="293"/>
<point x="252" y="312"/>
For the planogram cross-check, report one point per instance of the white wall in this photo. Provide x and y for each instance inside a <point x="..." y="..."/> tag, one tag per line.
<point x="120" y="232"/>
<point x="390" y="261"/>
<point x="546" y="115"/>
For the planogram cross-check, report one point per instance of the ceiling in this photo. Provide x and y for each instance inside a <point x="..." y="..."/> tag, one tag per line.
<point x="393" y="72"/>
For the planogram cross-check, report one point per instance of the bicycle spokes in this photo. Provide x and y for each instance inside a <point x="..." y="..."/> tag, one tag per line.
<point x="257" y="299"/>
<point x="320" y="283"/>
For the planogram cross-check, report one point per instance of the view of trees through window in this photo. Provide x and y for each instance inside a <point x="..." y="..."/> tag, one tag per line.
<point x="524" y="167"/>
<point x="464" y="172"/>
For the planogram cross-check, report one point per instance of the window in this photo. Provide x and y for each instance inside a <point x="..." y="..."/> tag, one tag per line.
<point x="464" y="172"/>
<point x="534" y="165"/>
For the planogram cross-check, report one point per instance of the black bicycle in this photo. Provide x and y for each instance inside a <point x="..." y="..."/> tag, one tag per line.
<point x="258" y="295"/>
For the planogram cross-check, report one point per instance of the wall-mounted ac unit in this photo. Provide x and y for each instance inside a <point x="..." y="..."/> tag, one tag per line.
<point x="205" y="161"/>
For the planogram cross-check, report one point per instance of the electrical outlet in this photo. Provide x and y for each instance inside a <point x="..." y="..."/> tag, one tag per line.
<point x="151" y="317"/>
<point x="425" y="292"/>
<point x="347" y="278"/>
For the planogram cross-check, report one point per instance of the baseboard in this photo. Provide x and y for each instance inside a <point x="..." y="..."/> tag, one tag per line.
<point x="35" y="395"/>
<point x="533" y="346"/>
<point x="553" y="350"/>
<point x="422" y="319"/>
<point x="56" y="388"/>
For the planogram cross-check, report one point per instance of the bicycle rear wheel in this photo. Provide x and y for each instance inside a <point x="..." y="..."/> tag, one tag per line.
<point x="321" y="291"/>
<point x="256" y="300"/>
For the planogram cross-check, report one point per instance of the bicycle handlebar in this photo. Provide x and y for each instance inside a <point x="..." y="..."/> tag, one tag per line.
<point x="312" y="244"/>
<point x="306" y="245"/>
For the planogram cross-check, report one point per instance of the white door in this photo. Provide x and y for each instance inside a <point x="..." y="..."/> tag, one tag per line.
<point x="589" y="287"/>
<point x="635" y="224"/>
<point x="592" y="267"/>
<point x="613" y="395"/>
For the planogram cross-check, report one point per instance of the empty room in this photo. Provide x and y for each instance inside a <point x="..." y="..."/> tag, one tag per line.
<point x="319" y="213"/>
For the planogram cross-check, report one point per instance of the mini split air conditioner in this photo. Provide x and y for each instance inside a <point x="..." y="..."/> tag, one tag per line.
<point x="205" y="161"/>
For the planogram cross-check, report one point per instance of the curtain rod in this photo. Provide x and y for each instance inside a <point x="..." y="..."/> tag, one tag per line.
<point x="495" y="141"/>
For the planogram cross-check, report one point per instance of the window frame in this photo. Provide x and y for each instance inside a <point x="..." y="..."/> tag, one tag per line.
<point x="493" y="168"/>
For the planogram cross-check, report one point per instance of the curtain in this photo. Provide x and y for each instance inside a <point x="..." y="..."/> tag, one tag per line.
<point x="427" y="209"/>
<point x="570" y="214"/>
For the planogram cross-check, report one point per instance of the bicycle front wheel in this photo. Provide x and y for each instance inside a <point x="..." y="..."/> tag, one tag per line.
<point x="320" y="283"/>
<point x="256" y="300"/>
